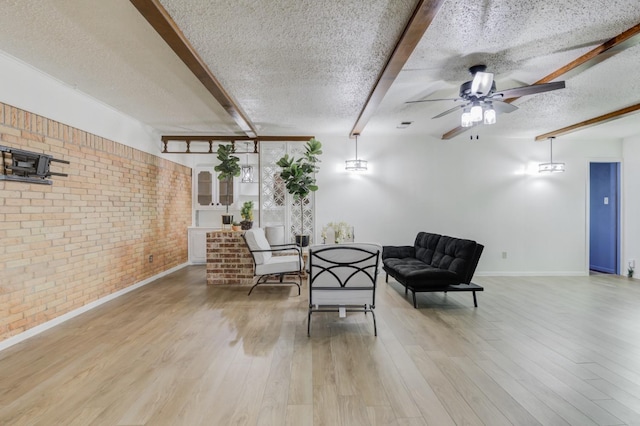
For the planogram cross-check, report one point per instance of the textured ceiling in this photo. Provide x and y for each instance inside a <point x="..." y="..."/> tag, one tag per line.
<point x="520" y="42"/>
<point x="307" y="66"/>
<point x="294" y="64"/>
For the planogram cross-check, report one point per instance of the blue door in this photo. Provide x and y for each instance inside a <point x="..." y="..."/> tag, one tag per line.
<point x="604" y="207"/>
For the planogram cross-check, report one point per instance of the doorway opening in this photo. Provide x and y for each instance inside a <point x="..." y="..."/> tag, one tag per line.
<point x="604" y="217"/>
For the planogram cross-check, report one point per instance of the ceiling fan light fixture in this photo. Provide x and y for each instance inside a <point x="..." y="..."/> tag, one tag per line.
<point x="476" y="113"/>
<point x="489" y="115"/>
<point x="465" y="120"/>
<point x="481" y="83"/>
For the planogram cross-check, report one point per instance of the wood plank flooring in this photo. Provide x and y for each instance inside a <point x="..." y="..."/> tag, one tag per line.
<point x="537" y="351"/>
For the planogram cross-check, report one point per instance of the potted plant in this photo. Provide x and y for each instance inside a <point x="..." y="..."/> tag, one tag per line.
<point x="236" y="226"/>
<point x="247" y="215"/>
<point x="299" y="179"/>
<point x="227" y="169"/>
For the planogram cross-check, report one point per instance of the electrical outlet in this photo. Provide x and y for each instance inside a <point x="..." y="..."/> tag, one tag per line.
<point x="150" y="258"/>
<point x="504" y="254"/>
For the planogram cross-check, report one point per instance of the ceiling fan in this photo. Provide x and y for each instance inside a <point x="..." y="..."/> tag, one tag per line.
<point x="481" y="101"/>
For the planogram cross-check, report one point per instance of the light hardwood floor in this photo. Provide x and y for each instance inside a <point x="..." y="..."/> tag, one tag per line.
<point x="544" y="350"/>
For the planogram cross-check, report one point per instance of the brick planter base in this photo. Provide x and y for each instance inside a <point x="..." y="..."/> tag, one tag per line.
<point x="228" y="259"/>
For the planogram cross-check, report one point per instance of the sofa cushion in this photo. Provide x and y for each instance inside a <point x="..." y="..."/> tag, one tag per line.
<point x="454" y="255"/>
<point x="417" y="274"/>
<point x="425" y="246"/>
<point x="398" y="251"/>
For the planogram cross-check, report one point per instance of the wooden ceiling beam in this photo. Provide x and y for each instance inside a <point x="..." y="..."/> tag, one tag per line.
<point x="591" y="122"/>
<point x="166" y="27"/>
<point x="423" y="15"/>
<point x="591" y="58"/>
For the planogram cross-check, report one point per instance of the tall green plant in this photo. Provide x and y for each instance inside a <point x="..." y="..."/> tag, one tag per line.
<point x="228" y="168"/>
<point x="298" y="174"/>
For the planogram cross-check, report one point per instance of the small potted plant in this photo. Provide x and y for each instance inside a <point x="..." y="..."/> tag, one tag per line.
<point x="236" y="226"/>
<point x="227" y="170"/>
<point x="299" y="179"/>
<point x="247" y="215"/>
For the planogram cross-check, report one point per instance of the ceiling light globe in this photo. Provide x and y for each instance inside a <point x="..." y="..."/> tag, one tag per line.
<point x="465" y="120"/>
<point x="476" y="113"/>
<point x="490" y="116"/>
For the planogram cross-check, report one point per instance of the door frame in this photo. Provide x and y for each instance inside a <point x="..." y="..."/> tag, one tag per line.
<point x="620" y="189"/>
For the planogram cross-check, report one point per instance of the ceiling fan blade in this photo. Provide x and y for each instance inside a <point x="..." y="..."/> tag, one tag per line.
<point x="503" y="107"/>
<point x="433" y="100"/>
<point x="516" y="92"/>
<point x="482" y="83"/>
<point x="449" y="111"/>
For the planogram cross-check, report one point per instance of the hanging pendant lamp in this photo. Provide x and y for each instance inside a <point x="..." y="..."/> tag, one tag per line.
<point x="551" y="167"/>
<point x="356" y="165"/>
<point x="246" y="171"/>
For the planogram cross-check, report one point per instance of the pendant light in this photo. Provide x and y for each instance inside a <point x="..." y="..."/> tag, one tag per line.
<point x="356" y="165"/>
<point x="246" y="171"/>
<point x="551" y="167"/>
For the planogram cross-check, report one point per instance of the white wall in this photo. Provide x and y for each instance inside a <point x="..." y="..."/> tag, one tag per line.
<point x="27" y="88"/>
<point x="631" y="203"/>
<point x="487" y="190"/>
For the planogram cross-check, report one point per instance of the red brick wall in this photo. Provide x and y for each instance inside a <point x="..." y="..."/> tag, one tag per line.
<point x="89" y="234"/>
<point x="229" y="261"/>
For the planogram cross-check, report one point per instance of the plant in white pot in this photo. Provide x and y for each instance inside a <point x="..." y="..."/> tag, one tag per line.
<point x="228" y="168"/>
<point x="299" y="178"/>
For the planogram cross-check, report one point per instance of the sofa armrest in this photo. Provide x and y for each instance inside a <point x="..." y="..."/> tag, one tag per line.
<point x="399" y="252"/>
<point x="473" y="264"/>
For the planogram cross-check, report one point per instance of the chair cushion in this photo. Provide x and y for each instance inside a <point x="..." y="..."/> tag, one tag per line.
<point x="279" y="264"/>
<point x="256" y="240"/>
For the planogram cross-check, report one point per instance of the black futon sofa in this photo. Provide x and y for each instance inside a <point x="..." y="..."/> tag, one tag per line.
<point x="434" y="263"/>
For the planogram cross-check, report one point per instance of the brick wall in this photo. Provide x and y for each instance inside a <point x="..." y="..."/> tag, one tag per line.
<point x="228" y="259"/>
<point x="89" y="234"/>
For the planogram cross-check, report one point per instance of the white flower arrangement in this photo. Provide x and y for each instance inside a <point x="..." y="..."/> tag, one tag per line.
<point x="341" y="230"/>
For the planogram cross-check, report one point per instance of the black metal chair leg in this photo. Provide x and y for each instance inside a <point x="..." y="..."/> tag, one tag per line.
<point x="475" y="301"/>
<point x="309" y="324"/>
<point x="375" y="328"/>
<point x="254" y="286"/>
<point x="415" y="304"/>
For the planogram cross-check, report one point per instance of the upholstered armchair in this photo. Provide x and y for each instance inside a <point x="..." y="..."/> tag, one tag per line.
<point x="272" y="263"/>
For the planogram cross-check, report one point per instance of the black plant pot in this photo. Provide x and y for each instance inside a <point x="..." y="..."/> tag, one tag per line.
<point x="246" y="224"/>
<point x="302" y="240"/>
<point x="227" y="219"/>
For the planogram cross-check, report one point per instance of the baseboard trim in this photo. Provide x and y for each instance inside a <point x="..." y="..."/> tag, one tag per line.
<point x="531" y="274"/>
<point x="62" y="318"/>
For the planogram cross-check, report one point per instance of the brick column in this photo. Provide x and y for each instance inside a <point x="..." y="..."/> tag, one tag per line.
<point x="228" y="259"/>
